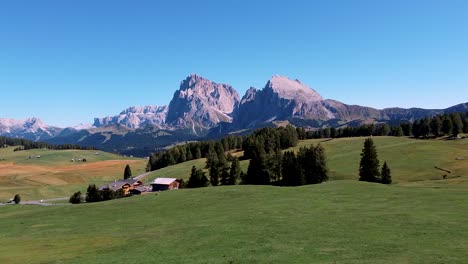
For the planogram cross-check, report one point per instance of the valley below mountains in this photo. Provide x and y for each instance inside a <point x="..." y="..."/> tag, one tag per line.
<point x="201" y="109"/>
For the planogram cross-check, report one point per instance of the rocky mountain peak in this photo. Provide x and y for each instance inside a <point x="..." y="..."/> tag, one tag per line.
<point x="202" y="103"/>
<point x="292" y="89"/>
<point x="136" y="117"/>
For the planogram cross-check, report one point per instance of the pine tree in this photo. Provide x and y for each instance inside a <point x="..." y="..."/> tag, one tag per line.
<point x="369" y="165"/>
<point x="92" y="194"/>
<point x="386" y="175"/>
<point x="416" y="129"/>
<point x="224" y="174"/>
<point x="235" y="172"/>
<point x="447" y="125"/>
<point x="197" y="153"/>
<point x="193" y="181"/>
<point x="197" y="178"/>
<point x="457" y="124"/>
<point x="127" y="172"/>
<point x="321" y="169"/>
<point x="436" y="126"/>
<point x="291" y="170"/>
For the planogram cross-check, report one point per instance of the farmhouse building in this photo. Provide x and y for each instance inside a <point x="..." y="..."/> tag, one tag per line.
<point x="162" y="184"/>
<point x="128" y="186"/>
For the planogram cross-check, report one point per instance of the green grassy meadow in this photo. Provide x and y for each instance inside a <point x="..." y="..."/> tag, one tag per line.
<point x="54" y="175"/>
<point x="335" y="222"/>
<point x="421" y="218"/>
<point x="412" y="161"/>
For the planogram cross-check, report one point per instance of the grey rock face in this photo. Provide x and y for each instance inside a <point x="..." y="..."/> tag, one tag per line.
<point x="136" y="117"/>
<point x="280" y="99"/>
<point x="201" y="103"/>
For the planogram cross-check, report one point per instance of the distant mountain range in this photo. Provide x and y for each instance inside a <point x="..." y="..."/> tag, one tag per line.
<point x="201" y="108"/>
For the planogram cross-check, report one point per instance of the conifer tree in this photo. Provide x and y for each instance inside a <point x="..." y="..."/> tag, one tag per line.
<point x="447" y="125"/>
<point x="369" y="165"/>
<point x="197" y="153"/>
<point x="92" y="194"/>
<point x="235" y="172"/>
<point x="386" y="175"/>
<point x="127" y="172"/>
<point x="224" y="174"/>
<point x="321" y="169"/>
<point x="291" y="170"/>
<point x="436" y="126"/>
<point x="457" y="124"/>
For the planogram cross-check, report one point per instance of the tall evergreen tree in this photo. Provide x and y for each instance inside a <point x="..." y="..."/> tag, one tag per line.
<point x="197" y="151"/>
<point x="386" y="175"/>
<point x="447" y="125"/>
<point x="92" y="194"/>
<point x="257" y="172"/>
<point x="127" y="172"/>
<point x="436" y="126"/>
<point x="197" y="178"/>
<point x="224" y="174"/>
<point x="321" y="168"/>
<point x="235" y="172"/>
<point x="291" y="170"/>
<point x="416" y="129"/>
<point x="369" y="165"/>
<point x="457" y="124"/>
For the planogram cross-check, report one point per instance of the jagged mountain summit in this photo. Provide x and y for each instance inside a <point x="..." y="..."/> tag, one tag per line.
<point x="30" y="128"/>
<point x="202" y="107"/>
<point x="280" y="99"/>
<point x="201" y="103"/>
<point x="136" y="117"/>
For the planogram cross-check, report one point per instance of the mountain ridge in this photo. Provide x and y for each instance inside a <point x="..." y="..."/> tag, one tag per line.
<point x="201" y="107"/>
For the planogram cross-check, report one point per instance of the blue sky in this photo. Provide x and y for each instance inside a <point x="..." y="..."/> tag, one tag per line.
<point x="69" y="61"/>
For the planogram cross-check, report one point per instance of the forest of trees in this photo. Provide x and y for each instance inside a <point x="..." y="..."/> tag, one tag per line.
<point x="267" y="166"/>
<point x="266" y="144"/>
<point x="437" y="126"/>
<point x="24" y="144"/>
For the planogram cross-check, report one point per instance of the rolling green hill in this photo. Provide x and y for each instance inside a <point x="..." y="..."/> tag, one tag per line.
<point x="419" y="219"/>
<point x="412" y="161"/>
<point x="54" y="175"/>
<point x="334" y="222"/>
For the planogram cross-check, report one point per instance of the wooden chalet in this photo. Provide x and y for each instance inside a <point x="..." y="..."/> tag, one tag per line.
<point x="129" y="186"/>
<point x="163" y="184"/>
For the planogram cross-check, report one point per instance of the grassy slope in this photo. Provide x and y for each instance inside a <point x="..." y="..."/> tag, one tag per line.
<point x="335" y="222"/>
<point x="412" y="161"/>
<point x="53" y="175"/>
<point x="343" y="221"/>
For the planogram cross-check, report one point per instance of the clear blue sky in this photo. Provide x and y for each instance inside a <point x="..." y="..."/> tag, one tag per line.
<point x="69" y="61"/>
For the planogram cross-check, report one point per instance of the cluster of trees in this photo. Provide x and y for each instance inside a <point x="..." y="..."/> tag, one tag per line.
<point x="308" y="166"/>
<point x="440" y="125"/>
<point x="369" y="168"/>
<point x="360" y="131"/>
<point x="217" y="163"/>
<point x="28" y="144"/>
<point x="189" y="151"/>
<point x="269" y="140"/>
<point x="93" y="194"/>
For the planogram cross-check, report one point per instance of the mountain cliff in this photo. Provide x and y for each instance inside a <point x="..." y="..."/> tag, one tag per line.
<point x="201" y="103"/>
<point x="200" y="107"/>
